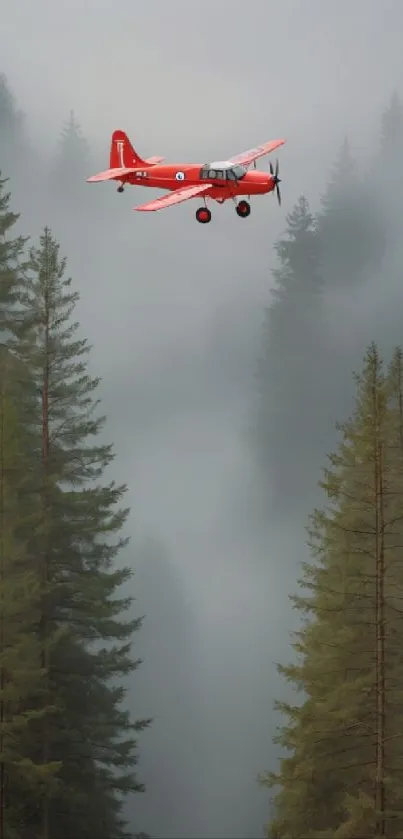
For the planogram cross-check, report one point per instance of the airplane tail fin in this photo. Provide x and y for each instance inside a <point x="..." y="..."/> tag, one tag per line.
<point x="123" y="155"/>
<point x="123" y="160"/>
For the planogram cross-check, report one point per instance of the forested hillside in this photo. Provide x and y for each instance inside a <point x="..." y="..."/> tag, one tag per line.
<point x="343" y="776"/>
<point x="335" y="275"/>
<point x="68" y="748"/>
<point x="339" y="741"/>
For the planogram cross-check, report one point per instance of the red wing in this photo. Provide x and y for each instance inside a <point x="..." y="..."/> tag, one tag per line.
<point x="111" y="175"/>
<point x="174" y="198"/>
<point x="249" y="156"/>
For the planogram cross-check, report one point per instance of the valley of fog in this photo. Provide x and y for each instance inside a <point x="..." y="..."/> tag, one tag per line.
<point x="174" y="311"/>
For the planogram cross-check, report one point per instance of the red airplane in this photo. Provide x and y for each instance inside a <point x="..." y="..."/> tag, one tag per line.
<point x="219" y="181"/>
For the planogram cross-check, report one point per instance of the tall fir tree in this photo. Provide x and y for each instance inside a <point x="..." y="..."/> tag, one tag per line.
<point x="13" y="142"/>
<point x="78" y="541"/>
<point x="72" y="166"/>
<point x="25" y="779"/>
<point x="343" y="776"/>
<point x="19" y="159"/>
<point x="388" y="174"/>
<point x="310" y="333"/>
<point x="11" y="263"/>
<point x="288" y="427"/>
<point x="350" y="234"/>
<point x="392" y="131"/>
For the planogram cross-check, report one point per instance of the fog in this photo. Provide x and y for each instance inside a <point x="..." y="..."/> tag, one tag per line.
<point x="174" y="312"/>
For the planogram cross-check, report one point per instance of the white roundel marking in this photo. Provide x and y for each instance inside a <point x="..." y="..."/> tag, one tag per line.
<point x="180" y="176"/>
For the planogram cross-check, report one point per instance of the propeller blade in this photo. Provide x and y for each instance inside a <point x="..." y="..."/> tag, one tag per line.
<point x="277" y="180"/>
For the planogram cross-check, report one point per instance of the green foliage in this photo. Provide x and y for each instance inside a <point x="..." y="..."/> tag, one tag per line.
<point x="392" y="131"/>
<point x="72" y="164"/>
<point x="310" y="332"/>
<point x="24" y="775"/>
<point x="344" y="775"/>
<point x="11" y="258"/>
<point x="83" y="633"/>
<point x="290" y="365"/>
<point x="12" y="132"/>
<point x="350" y="235"/>
<point x="388" y="179"/>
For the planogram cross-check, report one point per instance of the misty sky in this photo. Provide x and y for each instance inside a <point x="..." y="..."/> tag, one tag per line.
<point x="173" y="309"/>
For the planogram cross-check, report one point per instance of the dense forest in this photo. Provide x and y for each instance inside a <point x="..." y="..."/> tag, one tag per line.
<point x="340" y="739"/>
<point x="69" y="743"/>
<point x="68" y="747"/>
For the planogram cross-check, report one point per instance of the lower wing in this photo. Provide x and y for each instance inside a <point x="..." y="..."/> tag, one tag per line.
<point x="175" y="197"/>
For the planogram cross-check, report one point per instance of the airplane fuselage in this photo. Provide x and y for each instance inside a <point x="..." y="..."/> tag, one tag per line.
<point x="176" y="176"/>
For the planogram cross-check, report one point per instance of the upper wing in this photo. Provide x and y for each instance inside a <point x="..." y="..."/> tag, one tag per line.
<point x="249" y="156"/>
<point x="175" y="197"/>
<point x="111" y="174"/>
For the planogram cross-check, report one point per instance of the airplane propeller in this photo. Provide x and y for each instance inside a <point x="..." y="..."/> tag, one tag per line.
<point x="277" y="180"/>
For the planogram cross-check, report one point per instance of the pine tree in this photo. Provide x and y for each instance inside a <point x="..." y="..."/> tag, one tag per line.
<point x="350" y="232"/>
<point x="19" y="160"/>
<point x="94" y="738"/>
<point x="388" y="175"/>
<point x="287" y="428"/>
<point x="23" y="779"/>
<point x="72" y="166"/>
<point x="11" y="258"/>
<point x="392" y="131"/>
<point x="12" y="133"/>
<point x="344" y="775"/>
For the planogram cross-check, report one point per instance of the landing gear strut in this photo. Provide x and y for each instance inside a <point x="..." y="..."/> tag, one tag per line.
<point x="243" y="209"/>
<point x="203" y="215"/>
<point x="121" y="188"/>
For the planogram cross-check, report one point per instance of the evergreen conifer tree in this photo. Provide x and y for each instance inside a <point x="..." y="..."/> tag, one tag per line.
<point x="350" y="233"/>
<point x="25" y="778"/>
<point x="388" y="178"/>
<point x="78" y="541"/>
<point x="343" y="776"/>
<point x="392" y="131"/>
<point x="74" y="151"/>
<point x="289" y="370"/>
<point x="12" y="132"/>
<point x="72" y="167"/>
<point x="19" y="159"/>
<point x="11" y="257"/>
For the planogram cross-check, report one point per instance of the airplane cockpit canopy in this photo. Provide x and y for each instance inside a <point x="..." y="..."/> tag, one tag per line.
<point x="222" y="171"/>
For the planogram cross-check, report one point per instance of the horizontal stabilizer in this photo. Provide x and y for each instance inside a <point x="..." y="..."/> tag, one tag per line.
<point x="152" y="161"/>
<point x="111" y="175"/>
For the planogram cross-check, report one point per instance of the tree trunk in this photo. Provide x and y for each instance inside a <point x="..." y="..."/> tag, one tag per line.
<point x="46" y="553"/>
<point x="2" y="767"/>
<point x="380" y="622"/>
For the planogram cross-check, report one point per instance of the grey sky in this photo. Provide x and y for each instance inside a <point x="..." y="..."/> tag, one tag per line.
<point x="174" y="309"/>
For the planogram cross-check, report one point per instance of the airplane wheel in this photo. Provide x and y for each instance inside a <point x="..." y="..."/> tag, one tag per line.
<point x="203" y="215"/>
<point x="243" y="209"/>
<point x="121" y="188"/>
